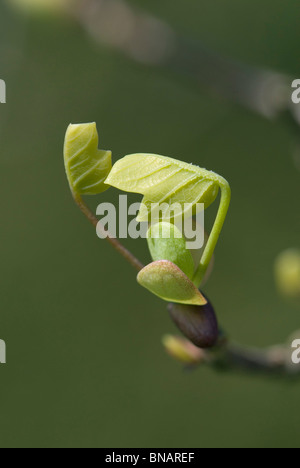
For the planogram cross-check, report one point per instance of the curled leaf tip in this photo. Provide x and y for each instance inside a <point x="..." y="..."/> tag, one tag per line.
<point x="87" y="167"/>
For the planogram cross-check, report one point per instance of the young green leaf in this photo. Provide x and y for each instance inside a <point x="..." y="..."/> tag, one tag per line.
<point x="87" y="167"/>
<point x="163" y="180"/>
<point x="166" y="242"/>
<point x="167" y="281"/>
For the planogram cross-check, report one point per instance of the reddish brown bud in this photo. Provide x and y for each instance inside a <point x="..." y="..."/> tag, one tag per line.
<point x="198" y="323"/>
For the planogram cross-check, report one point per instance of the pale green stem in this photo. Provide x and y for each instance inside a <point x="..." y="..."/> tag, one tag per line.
<point x="215" y="233"/>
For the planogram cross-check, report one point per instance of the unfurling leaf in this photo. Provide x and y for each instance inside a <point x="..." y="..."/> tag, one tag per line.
<point x="166" y="242"/>
<point x="163" y="180"/>
<point x="167" y="281"/>
<point x="87" y="167"/>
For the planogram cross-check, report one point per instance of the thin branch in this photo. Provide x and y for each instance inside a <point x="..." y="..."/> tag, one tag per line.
<point x="271" y="360"/>
<point x="113" y="242"/>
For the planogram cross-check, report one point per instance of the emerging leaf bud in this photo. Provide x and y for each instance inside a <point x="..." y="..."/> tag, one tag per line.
<point x="183" y="350"/>
<point x="287" y="273"/>
<point x="167" y="281"/>
<point x="166" y="242"/>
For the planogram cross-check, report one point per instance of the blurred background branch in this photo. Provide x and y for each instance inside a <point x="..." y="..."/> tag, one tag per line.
<point x="148" y="40"/>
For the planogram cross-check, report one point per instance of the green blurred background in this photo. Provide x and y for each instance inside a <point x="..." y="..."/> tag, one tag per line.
<point x="85" y="363"/>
